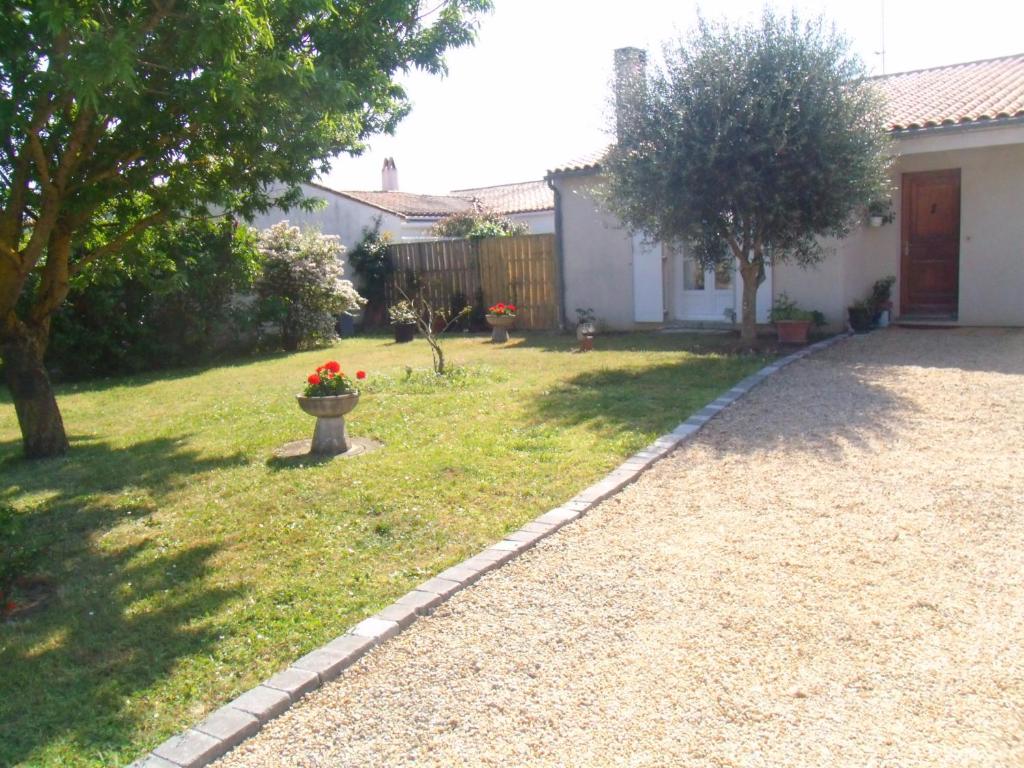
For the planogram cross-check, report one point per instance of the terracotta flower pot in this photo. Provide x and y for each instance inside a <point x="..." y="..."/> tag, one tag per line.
<point x="793" y="331"/>
<point x="330" y="437"/>
<point x="586" y="343"/>
<point x="499" y="327"/>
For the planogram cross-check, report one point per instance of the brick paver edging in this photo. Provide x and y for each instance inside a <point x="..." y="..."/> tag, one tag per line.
<point x="229" y="726"/>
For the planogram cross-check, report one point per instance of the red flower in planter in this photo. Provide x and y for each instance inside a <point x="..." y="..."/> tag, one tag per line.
<point x="313" y="379"/>
<point x="360" y="374"/>
<point x="332" y="366"/>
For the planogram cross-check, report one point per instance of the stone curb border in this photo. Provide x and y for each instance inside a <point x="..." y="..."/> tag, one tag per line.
<point x="229" y="726"/>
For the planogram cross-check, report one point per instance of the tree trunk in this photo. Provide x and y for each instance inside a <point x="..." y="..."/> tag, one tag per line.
<point x="42" y="428"/>
<point x="751" y="275"/>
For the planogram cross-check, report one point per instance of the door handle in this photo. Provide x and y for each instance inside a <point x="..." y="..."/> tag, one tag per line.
<point x="906" y="247"/>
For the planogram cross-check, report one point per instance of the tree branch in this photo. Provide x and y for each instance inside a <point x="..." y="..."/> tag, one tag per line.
<point x="118" y="242"/>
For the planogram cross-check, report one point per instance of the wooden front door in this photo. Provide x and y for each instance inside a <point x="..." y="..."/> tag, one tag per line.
<point x="930" y="272"/>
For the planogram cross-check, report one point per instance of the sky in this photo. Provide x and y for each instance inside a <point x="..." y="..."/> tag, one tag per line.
<point x="532" y="93"/>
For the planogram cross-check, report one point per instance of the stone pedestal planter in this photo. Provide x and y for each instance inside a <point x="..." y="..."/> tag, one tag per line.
<point x="499" y="327"/>
<point x="330" y="436"/>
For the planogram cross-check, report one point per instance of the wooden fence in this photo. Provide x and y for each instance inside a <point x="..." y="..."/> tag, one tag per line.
<point x="520" y="270"/>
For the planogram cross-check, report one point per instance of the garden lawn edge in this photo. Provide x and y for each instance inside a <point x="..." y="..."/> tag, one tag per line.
<point x="226" y="728"/>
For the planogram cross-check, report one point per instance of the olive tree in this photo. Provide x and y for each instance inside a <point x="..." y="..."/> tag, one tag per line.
<point x="748" y="145"/>
<point x="117" y="116"/>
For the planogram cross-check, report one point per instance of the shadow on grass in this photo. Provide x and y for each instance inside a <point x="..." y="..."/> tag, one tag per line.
<point x="835" y="406"/>
<point x="119" y="617"/>
<point x="651" y="399"/>
<point x="700" y="343"/>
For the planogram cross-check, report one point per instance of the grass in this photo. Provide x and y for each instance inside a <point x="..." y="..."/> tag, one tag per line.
<point x="184" y="564"/>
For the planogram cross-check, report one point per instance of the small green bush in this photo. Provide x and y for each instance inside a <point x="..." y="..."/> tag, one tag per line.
<point x="173" y="300"/>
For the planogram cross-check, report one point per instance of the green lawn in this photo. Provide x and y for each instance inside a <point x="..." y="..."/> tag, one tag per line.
<point x="185" y="564"/>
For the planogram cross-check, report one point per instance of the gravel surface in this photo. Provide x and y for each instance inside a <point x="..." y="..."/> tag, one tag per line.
<point x="831" y="574"/>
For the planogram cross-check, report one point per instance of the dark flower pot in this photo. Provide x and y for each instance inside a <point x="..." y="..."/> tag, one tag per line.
<point x="404" y="332"/>
<point x="586" y="343"/>
<point x="793" y="331"/>
<point x="861" y="320"/>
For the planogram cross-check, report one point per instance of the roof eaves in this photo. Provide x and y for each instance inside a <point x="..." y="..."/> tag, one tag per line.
<point x="999" y="121"/>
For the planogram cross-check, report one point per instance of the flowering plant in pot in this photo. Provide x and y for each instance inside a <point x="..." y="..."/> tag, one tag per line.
<point x="881" y="299"/>
<point x="791" y="322"/>
<point x="329" y="394"/>
<point x="403" y="317"/>
<point x="501" y="317"/>
<point x="586" y="328"/>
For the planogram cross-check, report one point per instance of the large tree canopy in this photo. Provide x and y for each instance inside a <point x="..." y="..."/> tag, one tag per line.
<point x="748" y="145"/>
<point x="116" y="116"/>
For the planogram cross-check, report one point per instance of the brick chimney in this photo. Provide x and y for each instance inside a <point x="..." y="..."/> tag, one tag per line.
<point x="630" y="80"/>
<point x="389" y="176"/>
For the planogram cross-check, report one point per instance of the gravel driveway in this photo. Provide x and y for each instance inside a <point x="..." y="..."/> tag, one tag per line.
<point x="831" y="574"/>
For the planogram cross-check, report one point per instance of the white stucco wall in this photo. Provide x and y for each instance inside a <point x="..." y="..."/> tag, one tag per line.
<point x="597" y="256"/>
<point x="991" y="289"/>
<point x="539" y="222"/>
<point x="340" y="216"/>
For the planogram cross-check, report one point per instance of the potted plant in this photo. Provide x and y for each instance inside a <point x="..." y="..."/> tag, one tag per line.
<point x="403" y="318"/>
<point x="861" y="314"/>
<point x="501" y="317"/>
<point x="881" y="300"/>
<point x="879" y="212"/>
<point x="329" y="395"/>
<point x="791" y="323"/>
<point x="586" y="328"/>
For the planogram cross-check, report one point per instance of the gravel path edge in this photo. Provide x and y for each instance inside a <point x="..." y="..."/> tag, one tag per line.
<point x="226" y="728"/>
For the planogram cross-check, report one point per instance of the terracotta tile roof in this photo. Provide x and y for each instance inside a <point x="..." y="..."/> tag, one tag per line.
<point x="522" y="197"/>
<point x="588" y="162"/>
<point x="408" y="204"/>
<point x="955" y="94"/>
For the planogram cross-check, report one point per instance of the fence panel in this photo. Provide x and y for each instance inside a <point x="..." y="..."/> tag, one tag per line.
<point x="520" y="269"/>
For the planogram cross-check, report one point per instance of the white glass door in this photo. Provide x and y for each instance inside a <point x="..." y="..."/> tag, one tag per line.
<point x="704" y="294"/>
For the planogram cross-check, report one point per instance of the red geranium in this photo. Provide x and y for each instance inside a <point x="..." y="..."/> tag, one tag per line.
<point x="503" y="310"/>
<point x="329" y="381"/>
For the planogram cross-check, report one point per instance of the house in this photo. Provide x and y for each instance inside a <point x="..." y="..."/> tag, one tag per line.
<point x="955" y="243"/>
<point x="408" y="216"/>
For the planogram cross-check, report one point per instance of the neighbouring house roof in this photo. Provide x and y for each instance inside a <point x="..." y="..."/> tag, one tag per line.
<point x="408" y="204"/>
<point x="955" y="94"/>
<point x="970" y="93"/>
<point x="522" y="197"/>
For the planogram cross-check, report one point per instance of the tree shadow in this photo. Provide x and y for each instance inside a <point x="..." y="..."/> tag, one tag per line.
<point x="825" y="406"/>
<point x="989" y="350"/>
<point x="651" y="399"/>
<point x="815" y="416"/>
<point x="120" y="616"/>
<point x="699" y="343"/>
